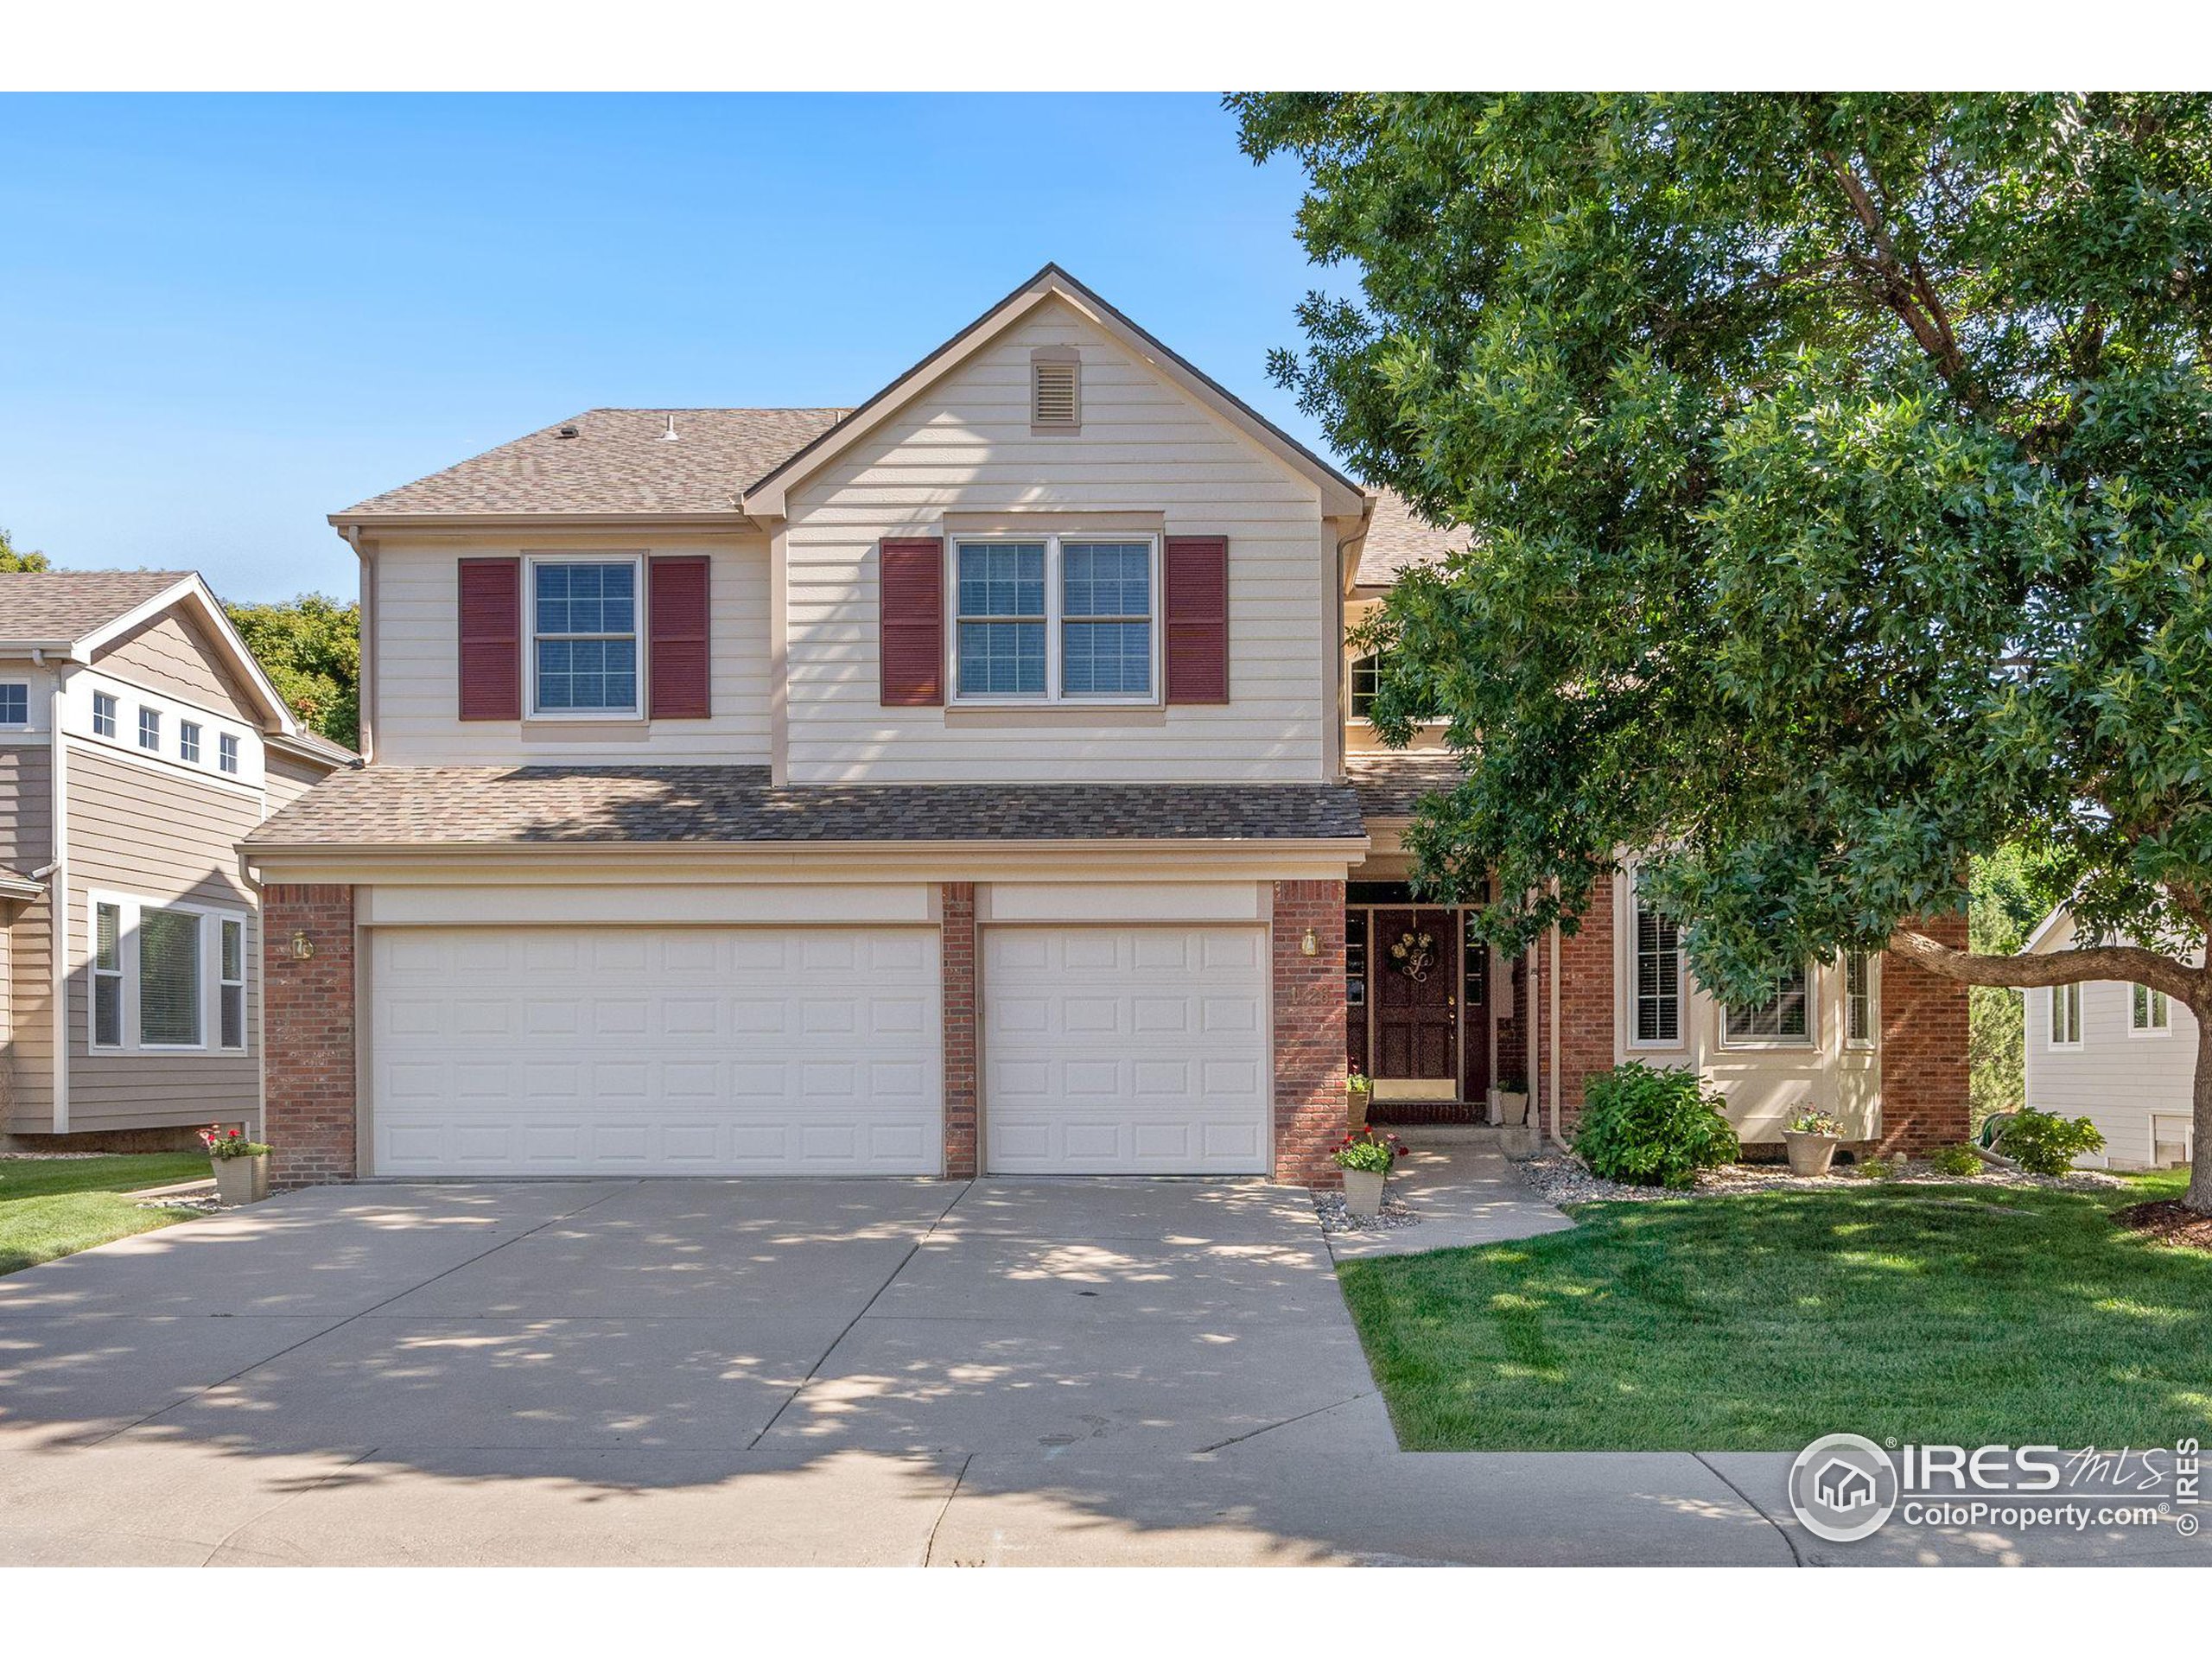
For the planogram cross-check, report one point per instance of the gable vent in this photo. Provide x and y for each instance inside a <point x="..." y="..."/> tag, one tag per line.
<point x="1055" y="393"/>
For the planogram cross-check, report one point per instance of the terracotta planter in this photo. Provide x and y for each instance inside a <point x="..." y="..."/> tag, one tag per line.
<point x="241" y="1180"/>
<point x="1517" y="1141"/>
<point x="1810" y="1154"/>
<point x="1357" y="1102"/>
<point x="1363" y="1192"/>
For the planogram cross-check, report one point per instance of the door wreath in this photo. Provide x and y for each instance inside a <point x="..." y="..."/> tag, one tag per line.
<point x="1414" y="954"/>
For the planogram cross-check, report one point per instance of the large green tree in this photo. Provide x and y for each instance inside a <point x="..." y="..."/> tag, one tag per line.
<point x="12" y="561"/>
<point x="310" y="648"/>
<point x="1836" y="473"/>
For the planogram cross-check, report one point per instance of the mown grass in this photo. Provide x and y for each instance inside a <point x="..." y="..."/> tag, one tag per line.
<point x="51" y="1207"/>
<point x="1961" y="1314"/>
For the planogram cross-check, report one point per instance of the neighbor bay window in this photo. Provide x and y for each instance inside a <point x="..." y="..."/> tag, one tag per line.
<point x="1054" y="619"/>
<point x="162" y="974"/>
<point x="584" y="636"/>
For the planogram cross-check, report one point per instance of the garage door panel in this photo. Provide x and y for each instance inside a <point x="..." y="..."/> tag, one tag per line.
<point x="655" y="1051"/>
<point x="1125" y="1050"/>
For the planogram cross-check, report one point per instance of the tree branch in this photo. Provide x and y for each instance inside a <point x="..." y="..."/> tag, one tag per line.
<point x="1905" y="286"/>
<point x="2127" y="962"/>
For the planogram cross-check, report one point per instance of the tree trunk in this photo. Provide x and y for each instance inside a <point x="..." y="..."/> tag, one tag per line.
<point x="2199" y="1170"/>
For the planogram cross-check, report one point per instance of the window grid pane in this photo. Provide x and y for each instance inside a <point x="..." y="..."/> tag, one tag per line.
<point x="149" y="728"/>
<point x="107" y="975"/>
<point x="1782" y="1017"/>
<point x="103" y="715"/>
<point x="1002" y="658"/>
<point x="169" y="976"/>
<point x="1858" y="997"/>
<point x="226" y="751"/>
<point x="15" y="705"/>
<point x="586" y="649"/>
<point x="188" y="742"/>
<point x="1658" y="977"/>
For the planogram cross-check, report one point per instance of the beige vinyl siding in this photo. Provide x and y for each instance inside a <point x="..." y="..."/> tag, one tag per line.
<point x="416" y="689"/>
<point x="965" y="446"/>
<point x="27" y="844"/>
<point x="285" y="779"/>
<point x="161" y="836"/>
<point x="2119" y="1079"/>
<point x="171" y="654"/>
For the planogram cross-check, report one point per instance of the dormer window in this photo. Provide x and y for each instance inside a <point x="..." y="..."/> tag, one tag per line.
<point x="1055" y="390"/>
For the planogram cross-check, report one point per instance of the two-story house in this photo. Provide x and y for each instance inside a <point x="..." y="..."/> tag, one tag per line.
<point x="956" y="782"/>
<point x="139" y="742"/>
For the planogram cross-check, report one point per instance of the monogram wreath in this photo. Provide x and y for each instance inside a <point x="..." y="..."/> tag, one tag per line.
<point x="1415" y="954"/>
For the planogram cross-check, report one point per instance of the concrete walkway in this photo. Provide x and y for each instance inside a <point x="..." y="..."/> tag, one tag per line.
<point x="1464" y="1191"/>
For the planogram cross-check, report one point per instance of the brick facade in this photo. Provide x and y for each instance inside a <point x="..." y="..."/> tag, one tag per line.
<point x="308" y="1028"/>
<point x="1585" y="1007"/>
<point x="1925" y="1102"/>
<point x="1309" y="1030"/>
<point x="957" y="903"/>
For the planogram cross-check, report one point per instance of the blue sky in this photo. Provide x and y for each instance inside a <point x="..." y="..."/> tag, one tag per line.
<point x="222" y="318"/>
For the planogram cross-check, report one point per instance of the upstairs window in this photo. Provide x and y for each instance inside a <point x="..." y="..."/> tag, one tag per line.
<point x="1059" y="619"/>
<point x="15" y="705"/>
<point x="226" y="753"/>
<point x="1783" y="1020"/>
<point x="188" y="742"/>
<point x="2066" y="1016"/>
<point x="2149" y="1012"/>
<point x="103" y="715"/>
<point x="584" y="636"/>
<point x="149" y="728"/>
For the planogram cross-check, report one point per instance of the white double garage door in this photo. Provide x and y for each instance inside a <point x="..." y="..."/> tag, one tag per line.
<point x="711" y="1051"/>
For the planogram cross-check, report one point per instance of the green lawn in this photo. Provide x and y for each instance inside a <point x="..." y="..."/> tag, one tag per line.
<point x="1961" y="1314"/>
<point x="54" y="1207"/>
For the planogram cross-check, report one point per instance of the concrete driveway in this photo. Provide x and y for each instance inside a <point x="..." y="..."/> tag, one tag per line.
<point x="764" y="1371"/>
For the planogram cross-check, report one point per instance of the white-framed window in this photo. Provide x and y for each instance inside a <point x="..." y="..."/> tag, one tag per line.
<point x="583" y="636"/>
<point x="1859" y="998"/>
<point x="14" y="704"/>
<point x="2066" y="1016"/>
<point x="188" y="742"/>
<point x="1782" y="1021"/>
<point x="149" y="728"/>
<point x="163" y="976"/>
<point x="230" y="971"/>
<point x="2149" y="1013"/>
<point x="1366" y="682"/>
<point x="103" y="710"/>
<point x="226" y="751"/>
<point x="1055" y="619"/>
<point x="1657" y="1020"/>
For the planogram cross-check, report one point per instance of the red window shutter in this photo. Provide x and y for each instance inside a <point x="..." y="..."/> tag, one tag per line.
<point x="677" y="598"/>
<point x="911" y="597"/>
<point x="491" y="638"/>
<point x="1195" y="591"/>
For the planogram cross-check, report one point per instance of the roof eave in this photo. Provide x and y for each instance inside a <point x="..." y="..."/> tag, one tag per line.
<point x="737" y="522"/>
<point x="401" y="850"/>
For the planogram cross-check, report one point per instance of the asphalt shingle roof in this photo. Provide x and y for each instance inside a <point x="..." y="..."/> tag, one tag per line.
<point x="1398" y="539"/>
<point x="1390" y="784"/>
<point x="535" y="806"/>
<point x="619" y="460"/>
<point x="44" y="606"/>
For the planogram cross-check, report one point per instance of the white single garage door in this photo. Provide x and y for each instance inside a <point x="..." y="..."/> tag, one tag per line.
<point x="1129" y="1050"/>
<point x="703" y="1051"/>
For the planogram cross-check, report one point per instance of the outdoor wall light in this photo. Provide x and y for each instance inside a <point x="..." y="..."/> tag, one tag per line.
<point x="302" y="947"/>
<point x="1310" y="944"/>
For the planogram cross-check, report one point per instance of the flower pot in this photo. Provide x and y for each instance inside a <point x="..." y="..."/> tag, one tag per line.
<point x="1357" y="1102"/>
<point x="1363" y="1192"/>
<point x="1809" y="1154"/>
<point x="1506" y="1105"/>
<point x="241" y="1180"/>
<point x="1517" y="1141"/>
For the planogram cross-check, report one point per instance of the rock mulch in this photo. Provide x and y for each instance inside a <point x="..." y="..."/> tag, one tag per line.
<point x="1564" y="1180"/>
<point x="199" y="1203"/>
<point x="1336" y="1218"/>
<point x="2169" y="1222"/>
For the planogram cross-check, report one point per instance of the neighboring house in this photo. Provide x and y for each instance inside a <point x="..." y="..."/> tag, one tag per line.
<point x="139" y="742"/>
<point x="2122" y="1056"/>
<point x="958" y="781"/>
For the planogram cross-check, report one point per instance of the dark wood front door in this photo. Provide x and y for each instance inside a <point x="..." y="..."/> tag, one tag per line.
<point x="1415" y="957"/>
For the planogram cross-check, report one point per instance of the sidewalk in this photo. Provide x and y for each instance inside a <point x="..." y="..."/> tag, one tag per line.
<point x="1463" y="1189"/>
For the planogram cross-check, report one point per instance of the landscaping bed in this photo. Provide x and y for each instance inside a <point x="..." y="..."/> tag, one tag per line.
<point x="56" y="1205"/>
<point x="1958" y="1312"/>
<point x="1562" y="1178"/>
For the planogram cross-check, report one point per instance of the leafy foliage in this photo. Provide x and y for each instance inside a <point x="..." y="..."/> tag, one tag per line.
<point x="310" y="647"/>
<point x="12" y="562"/>
<point x="1370" y="1150"/>
<point x="2013" y="891"/>
<point x="1650" y="1126"/>
<point x="1836" y="473"/>
<point x="1955" y="1160"/>
<point x="2044" y="1143"/>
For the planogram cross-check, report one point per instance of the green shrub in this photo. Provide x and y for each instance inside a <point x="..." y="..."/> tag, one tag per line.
<point x="1955" y="1160"/>
<point x="2043" y="1143"/>
<point x="1875" y="1169"/>
<point x="1651" y="1127"/>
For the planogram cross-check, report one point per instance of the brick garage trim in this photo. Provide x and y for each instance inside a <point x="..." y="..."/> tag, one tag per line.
<point x="1925" y="1101"/>
<point x="1309" y="1030"/>
<point x="957" y="904"/>
<point x="309" y="1035"/>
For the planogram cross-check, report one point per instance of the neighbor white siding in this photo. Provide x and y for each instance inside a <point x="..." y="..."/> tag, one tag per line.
<point x="965" y="446"/>
<point x="2119" y="1079"/>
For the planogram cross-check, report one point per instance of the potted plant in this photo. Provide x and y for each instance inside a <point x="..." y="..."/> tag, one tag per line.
<point x="1365" y="1156"/>
<point x="241" y="1166"/>
<point x="1359" y="1094"/>
<point x="1812" y="1139"/>
<point x="1517" y="1135"/>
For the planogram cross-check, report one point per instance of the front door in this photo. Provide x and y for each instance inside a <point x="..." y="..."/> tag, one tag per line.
<point x="1416" y="963"/>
